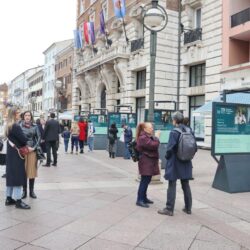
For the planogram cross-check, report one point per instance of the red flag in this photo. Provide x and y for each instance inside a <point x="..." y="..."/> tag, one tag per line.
<point x="86" y="32"/>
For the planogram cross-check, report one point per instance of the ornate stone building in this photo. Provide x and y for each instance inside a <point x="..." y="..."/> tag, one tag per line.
<point x="116" y="71"/>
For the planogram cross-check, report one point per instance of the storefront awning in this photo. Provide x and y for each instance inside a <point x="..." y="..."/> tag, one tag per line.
<point x="242" y="98"/>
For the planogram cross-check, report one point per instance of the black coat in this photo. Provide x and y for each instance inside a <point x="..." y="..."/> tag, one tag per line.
<point x="176" y="169"/>
<point x="15" y="170"/>
<point x="42" y="144"/>
<point x="52" y="130"/>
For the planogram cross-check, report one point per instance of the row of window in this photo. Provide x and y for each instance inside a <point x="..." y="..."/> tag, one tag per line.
<point x="92" y="15"/>
<point x="38" y="106"/>
<point x="63" y="64"/>
<point x="37" y="80"/>
<point x="197" y="75"/>
<point x="36" y="93"/>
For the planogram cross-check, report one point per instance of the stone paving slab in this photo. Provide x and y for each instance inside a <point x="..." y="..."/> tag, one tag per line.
<point x="88" y="202"/>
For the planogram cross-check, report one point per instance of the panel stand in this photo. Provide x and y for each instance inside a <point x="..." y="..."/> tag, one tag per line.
<point x="233" y="174"/>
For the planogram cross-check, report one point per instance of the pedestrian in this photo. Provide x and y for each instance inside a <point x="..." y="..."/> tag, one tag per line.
<point x="91" y="132"/>
<point x="147" y="145"/>
<point x="3" y="154"/>
<point x="128" y="137"/>
<point x="15" y="168"/>
<point x="83" y="127"/>
<point x="112" y="140"/>
<point x="51" y="137"/>
<point x="66" y="137"/>
<point x="32" y="132"/>
<point x="41" y="126"/>
<point x="75" y="131"/>
<point x="177" y="169"/>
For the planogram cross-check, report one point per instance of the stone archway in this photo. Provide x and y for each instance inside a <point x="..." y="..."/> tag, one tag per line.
<point x="101" y="97"/>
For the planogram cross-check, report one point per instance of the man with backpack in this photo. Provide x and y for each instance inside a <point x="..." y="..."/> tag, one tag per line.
<point x="180" y="151"/>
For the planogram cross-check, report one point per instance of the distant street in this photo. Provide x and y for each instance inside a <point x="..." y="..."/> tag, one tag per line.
<point x="88" y="202"/>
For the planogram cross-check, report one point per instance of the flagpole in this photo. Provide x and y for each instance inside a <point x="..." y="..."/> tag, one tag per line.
<point x="125" y="33"/>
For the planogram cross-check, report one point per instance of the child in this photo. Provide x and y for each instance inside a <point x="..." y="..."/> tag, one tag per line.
<point x="66" y="136"/>
<point x="74" y="137"/>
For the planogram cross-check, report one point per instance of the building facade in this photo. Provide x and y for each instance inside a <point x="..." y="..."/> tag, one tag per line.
<point x="201" y="61"/>
<point x="49" y="74"/>
<point x="18" y="88"/>
<point x="63" y="71"/>
<point x="236" y="45"/>
<point x="35" y="93"/>
<point x="117" y="71"/>
<point x="3" y="101"/>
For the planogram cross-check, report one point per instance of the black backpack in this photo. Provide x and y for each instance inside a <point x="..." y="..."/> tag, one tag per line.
<point x="135" y="155"/>
<point x="187" y="146"/>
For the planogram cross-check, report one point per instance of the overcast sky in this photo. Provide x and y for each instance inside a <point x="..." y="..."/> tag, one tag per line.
<point x="29" y="27"/>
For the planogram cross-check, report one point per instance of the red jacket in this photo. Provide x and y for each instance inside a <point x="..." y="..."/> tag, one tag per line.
<point x="149" y="156"/>
<point x="83" y="126"/>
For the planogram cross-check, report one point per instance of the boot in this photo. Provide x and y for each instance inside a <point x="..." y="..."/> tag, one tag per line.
<point x="20" y="204"/>
<point x="110" y="154"/>
<point x="113" y="155"/>
<point x="9" y="201"/>
<point x="24" y="195"/>
<point x="32" y="194"/>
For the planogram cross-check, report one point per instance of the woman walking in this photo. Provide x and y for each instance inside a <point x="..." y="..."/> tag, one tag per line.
<point x="112" y="139"/>
<point x="32" y="132"/>
<point x="83" y="127"/>
<point x="147" y="145"/>
<point x="15" y="169"/>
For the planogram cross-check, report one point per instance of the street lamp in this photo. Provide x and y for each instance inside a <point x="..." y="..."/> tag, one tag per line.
<point x="155" y="19"/>
<point x="58" y="86"/>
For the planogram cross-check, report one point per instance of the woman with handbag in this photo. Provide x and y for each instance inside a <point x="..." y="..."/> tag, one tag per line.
<point x="33" y="134"/>
<point x="15" y="169"/>
<point x="147" y="145"/>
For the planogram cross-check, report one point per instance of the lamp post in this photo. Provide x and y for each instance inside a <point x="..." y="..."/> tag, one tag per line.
<point x="32" y="101"/>
<point x="58" y="86"/>
<point x="155" y="19"/>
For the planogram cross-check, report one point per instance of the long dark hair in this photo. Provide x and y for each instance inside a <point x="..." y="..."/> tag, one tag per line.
<point x="31" y="116"/>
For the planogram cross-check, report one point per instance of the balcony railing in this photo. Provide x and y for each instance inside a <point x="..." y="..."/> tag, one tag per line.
<point x="240" y="18"/>
<point x="137" y="44"/>
<point x="193" y="35"/>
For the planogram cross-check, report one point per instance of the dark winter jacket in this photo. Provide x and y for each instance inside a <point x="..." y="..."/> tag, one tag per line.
<point x="15" y="170"/>
<point x="128" y="135"/>
<point x="149" y="156"/>
<point x="32" y="133"/>
<point x="176" y="169"/>
<point x="52" y="130"/>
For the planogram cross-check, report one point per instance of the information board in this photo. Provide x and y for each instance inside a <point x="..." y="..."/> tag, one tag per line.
<point x="100" y="123"/>
<point x="163" y="122"/>
<point x="119" y="119"/>
<point x="231" y="128"/>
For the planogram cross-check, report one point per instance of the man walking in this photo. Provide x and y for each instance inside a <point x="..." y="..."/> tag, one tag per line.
<point x="128" y="136"/>
<point x="51" y="136"/>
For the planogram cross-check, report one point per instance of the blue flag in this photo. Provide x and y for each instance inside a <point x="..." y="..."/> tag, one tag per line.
<point x="78" y="39"/>
<point x="119" y="8"/>
<point x="102" y="23"/>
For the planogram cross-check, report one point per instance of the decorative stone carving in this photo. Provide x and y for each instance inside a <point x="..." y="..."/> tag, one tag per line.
<point x="117" y="29"/>
<point x="108" y="76"/>
<point x="120" y="68"/>
<point x="90" y="78"/>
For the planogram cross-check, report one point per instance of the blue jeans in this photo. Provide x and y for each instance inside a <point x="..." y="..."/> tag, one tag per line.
<point x="91" y="143"/>
<point x="74" y="142"/>
<point x="142" y="190"/>
<point x="126" y="153"/>
<point x="66" y="144"/>
<point x="14" y="192"/>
